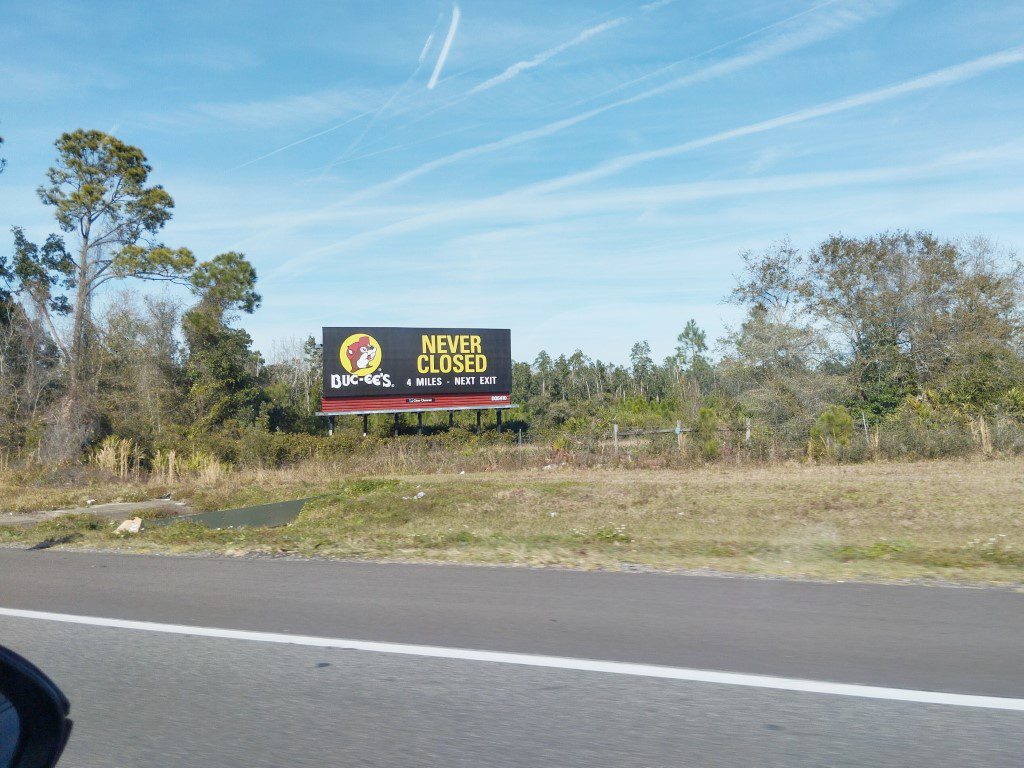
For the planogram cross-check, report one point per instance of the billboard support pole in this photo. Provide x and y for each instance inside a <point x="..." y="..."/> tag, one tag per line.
<point x="330" y="426"/>
<point x="451" y="419"/>
<point x="419" y="423"/>
<point x="366" y="424"/>
<point x="498" y="413"/>
<point x="478" y="427"/>
<point x="396" y="425"/>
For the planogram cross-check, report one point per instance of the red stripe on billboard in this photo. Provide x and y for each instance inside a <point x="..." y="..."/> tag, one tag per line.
<point x="413" y="403"/>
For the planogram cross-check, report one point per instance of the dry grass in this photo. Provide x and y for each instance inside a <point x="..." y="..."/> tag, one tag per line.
<point x="954" y="520"/>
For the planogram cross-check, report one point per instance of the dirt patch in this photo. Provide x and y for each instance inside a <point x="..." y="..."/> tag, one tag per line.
<point x="114" y="511"/>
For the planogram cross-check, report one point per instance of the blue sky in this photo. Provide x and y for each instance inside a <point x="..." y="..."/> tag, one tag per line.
<point x="585" y="173"/>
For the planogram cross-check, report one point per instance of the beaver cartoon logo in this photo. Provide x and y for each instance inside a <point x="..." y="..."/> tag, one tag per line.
<point x="360" y="354"/>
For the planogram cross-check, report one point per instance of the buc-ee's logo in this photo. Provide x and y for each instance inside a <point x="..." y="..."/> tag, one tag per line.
<point x="360" y="354"/>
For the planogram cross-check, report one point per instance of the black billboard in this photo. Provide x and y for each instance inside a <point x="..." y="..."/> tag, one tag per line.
<point x="366" y="361"/>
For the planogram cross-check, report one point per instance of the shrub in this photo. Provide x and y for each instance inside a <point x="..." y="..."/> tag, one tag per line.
<point x="832" y="430"/>
<point x="909" y="435"/>
<point x="707" y="434"/>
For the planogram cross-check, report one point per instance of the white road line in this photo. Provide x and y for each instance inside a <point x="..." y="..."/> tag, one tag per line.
<point x="553" y="662"/>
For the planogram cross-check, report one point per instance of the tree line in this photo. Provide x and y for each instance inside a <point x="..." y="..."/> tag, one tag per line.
<point x="921" y="334"/>
<point x="147" y="368"/>
<point x="902" y="328"/>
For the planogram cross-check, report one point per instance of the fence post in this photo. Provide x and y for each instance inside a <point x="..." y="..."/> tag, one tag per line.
<point x="679" y="435"/>
<point x="615" y="438"/>
<point x="746" y="439"/>
<point x="986" y="438"/>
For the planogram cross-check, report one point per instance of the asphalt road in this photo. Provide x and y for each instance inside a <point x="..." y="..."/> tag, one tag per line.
<point x="142" y="698"/>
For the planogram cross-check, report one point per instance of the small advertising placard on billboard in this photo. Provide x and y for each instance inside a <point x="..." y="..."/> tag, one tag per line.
<point x="418" y="363"/>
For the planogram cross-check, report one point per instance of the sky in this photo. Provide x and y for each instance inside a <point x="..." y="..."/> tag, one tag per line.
<point x="587" y="174"/>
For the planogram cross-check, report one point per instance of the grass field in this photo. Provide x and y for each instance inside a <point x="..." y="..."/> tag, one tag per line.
<point x="950" y="520"/>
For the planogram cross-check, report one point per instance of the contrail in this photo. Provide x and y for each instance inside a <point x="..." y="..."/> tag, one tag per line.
<point x="359" y="139"/>
<point x="948" y="76"/>
<point x="456" y="14"/>
<point x="540" y="58"/>
<point x="377" y="113"/>
<point x="522" y="66"/>
<point x="782" y="45"/>
<point x="527" y="64"/>
<point x="714" y="49"/>
<point x="406" y="145"/>
<point x="373" y="114"/>
<point x="426" y="47"/>
<point x="303" y="141"/>
<point x="939" y="78"/>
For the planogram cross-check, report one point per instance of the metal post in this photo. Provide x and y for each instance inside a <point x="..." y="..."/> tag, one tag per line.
<point x="498" y="414"/>
<point x="395" y="433"/>
<point x="615" y="438"/>
<point x="366" y="424"/>
<point x="479" y="416"/>
<point x="419" y="423"/>
<point x="451" y="419"/>
<point x="330" y="426"/>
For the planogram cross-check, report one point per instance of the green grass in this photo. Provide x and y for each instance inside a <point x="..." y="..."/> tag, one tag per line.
<point x="950" y="520"/>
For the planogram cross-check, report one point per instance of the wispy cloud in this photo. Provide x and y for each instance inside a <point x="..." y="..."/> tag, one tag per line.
<point x="372" y="114"/>
<point x="464" y="209"/>
<point x="588" y="205"/>
<point x="947" y="76"/>
<point x="271" y="112"/>
<point x="378" y="112"/>
<point x="793" y="39"/>
<point x="445" y="48"/>
<point x="415" y="142"/>
<point x="20" y="80"/>
<point x="508" y="74"/>
<point x="511" y="72"/>
<point x="37" y="82"/>
<point x="654" y="74"/>
<point x="222" y="57"/>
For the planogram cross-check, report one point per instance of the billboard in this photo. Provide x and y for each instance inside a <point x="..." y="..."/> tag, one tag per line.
<point x="416" y="368"/>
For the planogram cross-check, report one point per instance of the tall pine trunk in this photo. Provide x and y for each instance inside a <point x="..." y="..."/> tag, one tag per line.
<point x="71" y="423"/>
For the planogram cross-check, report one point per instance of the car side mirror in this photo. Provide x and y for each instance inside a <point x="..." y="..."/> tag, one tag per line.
<point x="34" y="724"/>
